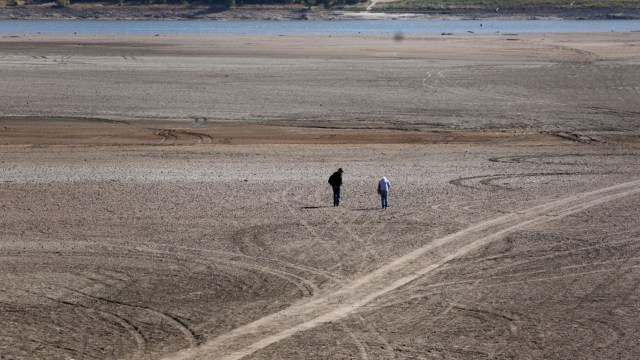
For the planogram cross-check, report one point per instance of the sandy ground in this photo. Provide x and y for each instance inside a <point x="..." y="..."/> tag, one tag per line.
<point x="166" y="197"/>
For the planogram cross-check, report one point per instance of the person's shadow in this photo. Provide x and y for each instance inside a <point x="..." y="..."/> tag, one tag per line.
<point x="311" y="207"/>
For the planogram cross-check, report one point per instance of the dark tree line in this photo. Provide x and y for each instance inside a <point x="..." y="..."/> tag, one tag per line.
<point x="228" y="3"/>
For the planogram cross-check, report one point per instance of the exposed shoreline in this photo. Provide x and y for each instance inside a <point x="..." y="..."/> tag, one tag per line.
<point x="196" y="12"/>
<point x="193" y="89"/>
<point x="166" y="197"/>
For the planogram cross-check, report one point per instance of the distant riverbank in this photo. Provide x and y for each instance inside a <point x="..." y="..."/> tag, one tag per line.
<point x="385" y="27"/>
<point x="194" y="12"/>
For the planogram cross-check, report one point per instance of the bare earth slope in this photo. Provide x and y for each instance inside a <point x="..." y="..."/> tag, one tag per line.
<point x="166" y="197"/>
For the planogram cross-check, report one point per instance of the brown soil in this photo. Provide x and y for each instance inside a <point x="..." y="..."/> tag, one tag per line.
<point x="166" y="197"/>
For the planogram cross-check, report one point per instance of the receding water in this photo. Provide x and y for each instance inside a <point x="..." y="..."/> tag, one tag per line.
<point x="412" y="26"/>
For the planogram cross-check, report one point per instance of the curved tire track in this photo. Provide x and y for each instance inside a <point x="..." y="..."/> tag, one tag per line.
<point x="174" y="136"/>
<point x="334" y="306"/>
<point x="284" y="200"/>
<point x="255" y="262"/>
<point x="547" y="158"/>
<point x="440" y="82"/>
<point x="190" y="336"/>
<point x="127" y="324"/>
<point x="487" y="180"/>
<point x="485" y="282"/>
<point x="364" y="249"/>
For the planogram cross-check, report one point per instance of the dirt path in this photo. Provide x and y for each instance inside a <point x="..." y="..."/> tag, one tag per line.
<point x="375" y="2"/>
<point x="339" y="304"/>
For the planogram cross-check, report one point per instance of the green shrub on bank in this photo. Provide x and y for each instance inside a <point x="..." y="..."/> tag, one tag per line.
<point x="63" y="3"/>
<point x="15" y="2"/>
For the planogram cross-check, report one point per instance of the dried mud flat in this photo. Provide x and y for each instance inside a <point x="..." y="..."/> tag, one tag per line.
<point x="166" y="197"/>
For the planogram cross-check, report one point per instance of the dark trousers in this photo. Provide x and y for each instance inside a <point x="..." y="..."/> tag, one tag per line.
<point x="336" y="195"/>
<point x="384" y="196"/>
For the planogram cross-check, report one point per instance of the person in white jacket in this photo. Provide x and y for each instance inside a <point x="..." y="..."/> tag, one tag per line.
<point x="383" y="190"/>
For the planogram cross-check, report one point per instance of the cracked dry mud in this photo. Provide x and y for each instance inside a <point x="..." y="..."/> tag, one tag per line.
<point x="174" y="223"/>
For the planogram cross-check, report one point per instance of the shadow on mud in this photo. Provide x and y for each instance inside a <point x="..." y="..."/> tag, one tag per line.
<point x="326" y="206"/>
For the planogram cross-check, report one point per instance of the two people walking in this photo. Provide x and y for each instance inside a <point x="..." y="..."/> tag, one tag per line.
<point x="335" y="180"/>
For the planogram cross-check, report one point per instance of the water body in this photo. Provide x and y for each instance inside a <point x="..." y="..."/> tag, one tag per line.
<point x="409" y="26"/>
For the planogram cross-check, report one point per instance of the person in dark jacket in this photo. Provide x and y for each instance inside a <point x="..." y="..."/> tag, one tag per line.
<point x="335" y="180"/>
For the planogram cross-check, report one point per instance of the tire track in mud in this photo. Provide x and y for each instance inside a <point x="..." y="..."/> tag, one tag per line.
<point x="284" y="200"/>
<point x="306" y="287"/>
<point x="555" y="254"/>
<point x="190" y="259"/>
<point x="439" y="82"/>
<point x="487" y="180"/>
<point x="534" y="159"/>
<point x="452" y="304"/>
<point x="255" y="260"/>
<point x="604" y="333"/>
<point x="575" y="56"/>
<point x="96" y="139"/>
<point x="189" y="335"/>
<point x="599" y="291"/>
<point x="168" y="136"/>
<point x="486" y="281"/>
<point x="350" y="299"/>
<point x="370" y="343"/>
<point x="128" y="325"/>
<point x="616" y="81"/>
<point x="174" y="136"/>
<point x="591" y="318"/>
<point x="62" y="59"/>
<point x="487" y="316"/>
<point x="185" y="258"/>
<point x="577" y="137"/>
<point x="197" y="122"/>
<point x="356" y="340"/>
<point x="547" y="159"/>
<point x="617" y="112"/>
<point x="372" y="257"/>
<point x="186" y="262"/>
<point x="362" y="339"/>
<point x="376" y="338"/>
<point x="200" y="137"/>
